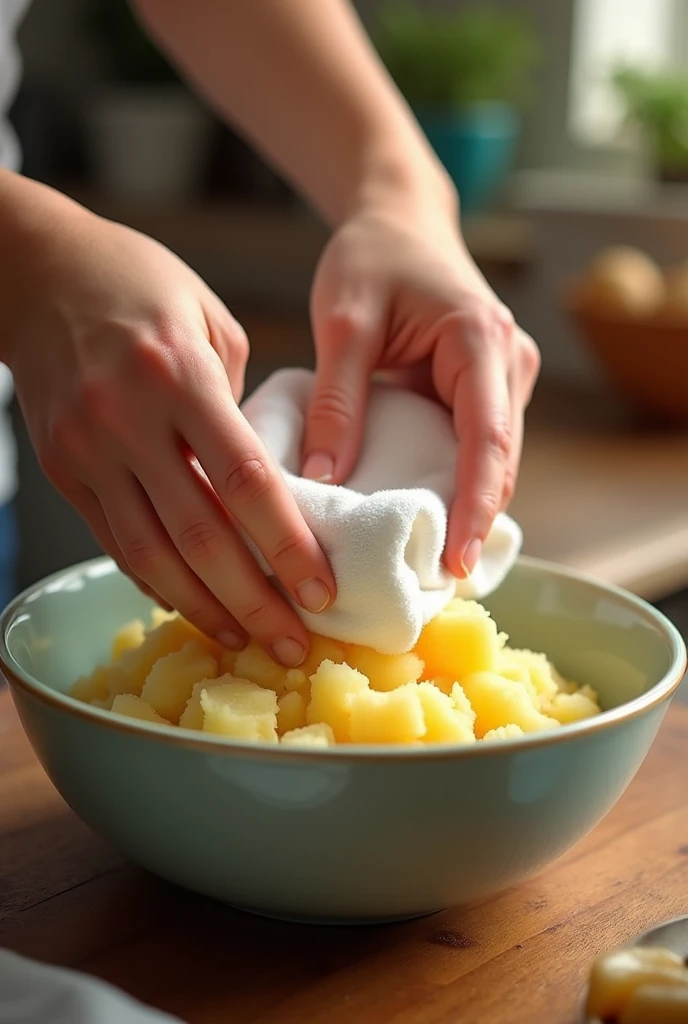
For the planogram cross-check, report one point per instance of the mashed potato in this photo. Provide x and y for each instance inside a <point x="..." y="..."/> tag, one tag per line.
<point x="461" y="684"/>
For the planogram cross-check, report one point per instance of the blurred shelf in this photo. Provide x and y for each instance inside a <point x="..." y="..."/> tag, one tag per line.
<point x="268" y="253"/>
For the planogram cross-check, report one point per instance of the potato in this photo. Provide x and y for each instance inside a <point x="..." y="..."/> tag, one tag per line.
<point x="171" y="680"/>
<point x="128" y="638"/>
<point x="256" y="664"/>
<point x="656" y="1004"/>
<point x="572" y="707"/>
<point x="333" y="688"/>
<point x="614" y="977"/>
<point x="384" y="671"/>
<point x="159" y="616"/>
<point x="296" y="679"/>
<point x="240" y="709"/>
<point x="503" y="732"/>
<point x="291" y="712"/>
<point x="530" y="668"/>
<point x="310" y="736"/>
<point x="623" y="280"/>
<point x="227" y="661"/>
<point x="166" y="638"/>
<point x="392" y="717"/>
<point x="192" y="715"/>
<point x="444" y="722"/>
<point x="460" y="641"/>
<point x="322" y="649"/>
<point x="460" y="684"/>
<point x="93" y="687"/>
<point x="498" y="701"/>
<point x="120" y="681"/>
<point x="134" y="707"/>
<point x="462" y="703"/>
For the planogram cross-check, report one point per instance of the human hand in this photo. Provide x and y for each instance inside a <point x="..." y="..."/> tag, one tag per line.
<point x="397" y="291"/>
<point x="128" y="370"/>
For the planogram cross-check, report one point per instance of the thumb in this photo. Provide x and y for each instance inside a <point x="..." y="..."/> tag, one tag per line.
<point x="346" y="343"/>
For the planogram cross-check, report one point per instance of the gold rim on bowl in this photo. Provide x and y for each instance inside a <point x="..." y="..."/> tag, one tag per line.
<point x="190" y="739"/>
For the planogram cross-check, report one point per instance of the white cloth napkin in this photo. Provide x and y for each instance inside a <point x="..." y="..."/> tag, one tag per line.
<point x="34" y="993"/>
<point x="384" y="531"/>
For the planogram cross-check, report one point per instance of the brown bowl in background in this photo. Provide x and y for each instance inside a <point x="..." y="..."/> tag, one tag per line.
<point x="644" y="358"/>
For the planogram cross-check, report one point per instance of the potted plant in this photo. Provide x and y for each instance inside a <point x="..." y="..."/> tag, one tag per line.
<point x="464" y="74"/>
<point x="147" y="135"/>
<point x="657" y="104"/>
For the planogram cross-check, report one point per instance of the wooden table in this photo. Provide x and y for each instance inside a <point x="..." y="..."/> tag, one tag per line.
<point x="519" y="958"/>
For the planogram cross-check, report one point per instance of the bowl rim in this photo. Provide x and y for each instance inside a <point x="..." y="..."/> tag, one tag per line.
<point x="175" y="736"/>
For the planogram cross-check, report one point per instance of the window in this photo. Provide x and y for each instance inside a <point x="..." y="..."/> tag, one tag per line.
<point x="607" y="33"/>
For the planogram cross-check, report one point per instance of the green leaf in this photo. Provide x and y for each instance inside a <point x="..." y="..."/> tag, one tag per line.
<point x="446" y="59"/>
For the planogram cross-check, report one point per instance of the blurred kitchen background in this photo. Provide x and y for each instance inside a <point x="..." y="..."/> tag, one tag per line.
<point x="565" y="123"/>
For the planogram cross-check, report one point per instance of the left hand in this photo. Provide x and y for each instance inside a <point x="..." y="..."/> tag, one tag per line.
<point x="397" y="291"/>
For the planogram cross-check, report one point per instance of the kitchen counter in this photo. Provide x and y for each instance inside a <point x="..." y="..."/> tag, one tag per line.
<point x="603" y="493"/>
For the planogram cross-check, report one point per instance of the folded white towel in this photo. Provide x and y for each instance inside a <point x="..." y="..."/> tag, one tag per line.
<point x="34" y="993"/>
<point x="384" y="532"/>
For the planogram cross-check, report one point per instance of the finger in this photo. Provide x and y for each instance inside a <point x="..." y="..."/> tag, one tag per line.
<point x="346" y="342"/>
<point x="482" y="418"/>
<point x="87" y="505"/>
<point x="252" y="488"/>
<point x="522" y="377"/>
<point x="152" y="557"/>
<point x="229" y="340"/>
<point x="516" y="428"/>
<point x="205" y="537"/>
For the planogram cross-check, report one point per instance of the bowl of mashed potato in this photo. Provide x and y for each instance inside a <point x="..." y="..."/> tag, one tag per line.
<point x="360" y="787"/>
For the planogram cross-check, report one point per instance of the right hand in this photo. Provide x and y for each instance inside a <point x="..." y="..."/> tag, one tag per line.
<point x="128" y="370"/>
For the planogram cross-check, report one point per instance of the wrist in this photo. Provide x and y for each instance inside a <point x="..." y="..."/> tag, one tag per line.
<point x="37" y="228"/>
<point x="407" y="186"/>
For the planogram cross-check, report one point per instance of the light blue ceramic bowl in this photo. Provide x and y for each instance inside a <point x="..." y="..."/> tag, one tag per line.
<point x="344" y="835"/>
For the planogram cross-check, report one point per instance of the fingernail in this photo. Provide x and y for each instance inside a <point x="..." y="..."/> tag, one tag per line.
<point x="289" y="652"/>
<point x="471" y="556"/>
<point x="313" y="595"/>
<point x="319" y="467"/>
<point x="232" y="641"/>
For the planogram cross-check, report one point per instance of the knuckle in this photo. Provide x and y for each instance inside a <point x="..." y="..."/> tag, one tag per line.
<point x="341" y="327"/>
<point x="102" y="401"/>
<point x="205" y="618"/>
<point x="255" y="618"/>
<point x="237" y="341"/>
<point x="331" y="404"/>
<point x="479" y="321"/>
<point x="290" y="548"/>
<point x="504" y="318"/>
<point x="497" y="439"/>
<point x="249" y="480"/>
<point x="155" y="361"/>
<point x="141" y="556"/>
<point x="489" y="505"/>
<point x="199" y="542"/>
<point x="531" y="359"/>
<point x="509" y="487"/>
<point x="66" y="433"/>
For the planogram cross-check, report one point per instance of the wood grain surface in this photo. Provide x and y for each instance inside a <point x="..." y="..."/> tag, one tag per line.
<point x="518" y="958"/>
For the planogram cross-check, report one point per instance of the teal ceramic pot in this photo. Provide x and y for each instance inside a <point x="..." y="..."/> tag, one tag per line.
<point x="477" y="148"/>
<point x="347" y="834"/>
